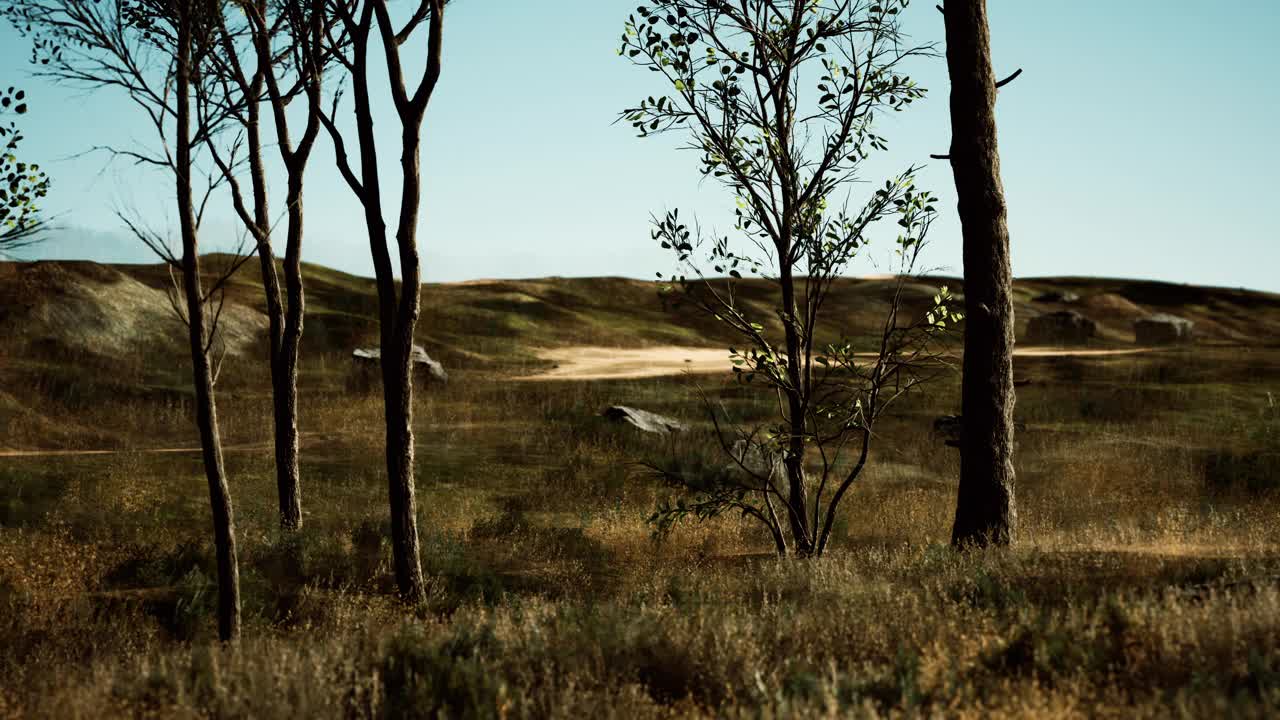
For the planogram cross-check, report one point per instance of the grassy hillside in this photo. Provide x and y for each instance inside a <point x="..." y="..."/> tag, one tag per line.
<point x="81" y="336"/>
<point x="1144" y="583"/>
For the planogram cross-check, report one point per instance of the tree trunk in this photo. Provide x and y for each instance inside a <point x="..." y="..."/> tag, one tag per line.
<point x="793" y="461"/>
<point x="285" y="374"/>
<point x="397" y="314"/>
<point x="283" y="331"/>
<point x="397" y="373"/>
<point x="985" y="511"/>
<point x="397" y="389"/>
<point x="202" y="374"/>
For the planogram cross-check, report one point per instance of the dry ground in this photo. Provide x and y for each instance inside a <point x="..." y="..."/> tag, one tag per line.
<point x="615" y="363"/>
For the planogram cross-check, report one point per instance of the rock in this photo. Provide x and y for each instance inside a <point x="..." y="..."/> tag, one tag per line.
<point x="1162" y="329"/>
<point x="1065" y="327"/>
<point x="426" y="371"/>
<point x="1056" y="296"/>
<point x="643" y="419"/>
<point x="947" y="428"/>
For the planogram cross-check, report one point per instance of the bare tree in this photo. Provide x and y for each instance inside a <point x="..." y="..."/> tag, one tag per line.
<point x="397" y="311"/>
<point x="779" y="98"/>
<point x="151" y="50"/>
<point x="272" y="53"/>
<point x="985" y="509"/>
<point x="22" y="184"/>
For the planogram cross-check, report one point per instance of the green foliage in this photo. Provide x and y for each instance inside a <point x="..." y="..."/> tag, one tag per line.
<point x="22" y="184"/>
<point x="780" y="100"/>
<point x="707" y="484"/>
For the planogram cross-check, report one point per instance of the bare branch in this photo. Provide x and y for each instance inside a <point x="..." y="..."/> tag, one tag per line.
<point x="1009" y="79"/>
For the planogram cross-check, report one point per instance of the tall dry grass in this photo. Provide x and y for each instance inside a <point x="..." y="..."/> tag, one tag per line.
<point x="1144" y="584"/>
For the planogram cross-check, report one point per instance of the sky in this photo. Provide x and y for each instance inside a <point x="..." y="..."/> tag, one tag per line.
<point x="1140" y="141"/>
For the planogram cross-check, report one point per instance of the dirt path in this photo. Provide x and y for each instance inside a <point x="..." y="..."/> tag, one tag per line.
<point x="235" y="447"/>
<point x="605" y="363"/>
<point x="139" y="451"/>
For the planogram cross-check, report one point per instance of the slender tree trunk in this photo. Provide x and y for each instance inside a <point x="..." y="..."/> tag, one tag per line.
<point x="793" y="461"/>
<point x="282" y="330"/>
<point x="397" y="318"/>
<point x="398" y="374"/>
<point x="285" y="369"/>
<point x="398" y="399"/>
<point x="985" y="511"/>
<point x="202" y="373"/>
<point x="397" y="313"/>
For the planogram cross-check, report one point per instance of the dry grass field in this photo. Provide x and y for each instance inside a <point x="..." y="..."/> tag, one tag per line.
<point x="1145" y="581"/>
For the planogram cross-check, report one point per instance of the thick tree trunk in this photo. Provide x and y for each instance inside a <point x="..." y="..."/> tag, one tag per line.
<point x="202" y="374"/>
<point x="985" y="511"/>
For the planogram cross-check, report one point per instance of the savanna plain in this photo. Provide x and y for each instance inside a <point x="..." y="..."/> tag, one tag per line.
<point x="1144" y="580"/>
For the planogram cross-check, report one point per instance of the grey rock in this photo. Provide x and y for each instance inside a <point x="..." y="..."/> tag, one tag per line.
<point x="1057" y="296"/>
<point x="644" y="420"/>
<point x="426" y="370"/>
<point x="1065" y="327"/>
<point x="947" y="428"/>
<point x="1163" y="329"/>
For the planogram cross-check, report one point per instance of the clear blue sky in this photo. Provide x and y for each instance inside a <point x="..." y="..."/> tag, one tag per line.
<point x="1139" y="142"/>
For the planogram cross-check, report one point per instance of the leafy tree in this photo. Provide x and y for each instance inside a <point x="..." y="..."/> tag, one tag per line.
<point x="22" y="184"/>
<point x="779" y="99"/>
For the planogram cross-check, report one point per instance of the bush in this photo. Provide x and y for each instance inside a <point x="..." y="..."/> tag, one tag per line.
<point x="442" y="679"/>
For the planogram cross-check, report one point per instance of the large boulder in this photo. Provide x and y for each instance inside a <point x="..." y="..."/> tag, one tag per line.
<point x="1065" y="327"/>
<point x="1162" y="329"/>
<point x="948" y="428"/>
<point x="643" y="419"/>
<point x="367" y="366"/>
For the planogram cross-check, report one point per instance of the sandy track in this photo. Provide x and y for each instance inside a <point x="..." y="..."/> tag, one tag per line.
<point x="605" y="363"/>
<point x="238" y="447"/>
<point x="139" y="451"/>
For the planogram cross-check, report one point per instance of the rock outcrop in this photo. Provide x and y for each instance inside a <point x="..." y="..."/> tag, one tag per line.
<point x="1162" y="329"/>
<point x="1065" y="327"/>
<point x="367" y="362"/>
<point x="643" y="419"/>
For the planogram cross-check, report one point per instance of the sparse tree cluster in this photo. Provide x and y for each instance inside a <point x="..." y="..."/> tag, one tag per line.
<point x="780" y="99"/>
<point x="203" y="72"/>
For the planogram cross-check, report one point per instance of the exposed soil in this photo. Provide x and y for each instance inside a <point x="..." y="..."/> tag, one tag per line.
<point x="606" y="363"/>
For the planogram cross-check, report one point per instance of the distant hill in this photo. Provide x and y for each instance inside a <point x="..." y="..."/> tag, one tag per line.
<point x="77" y="333"/>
